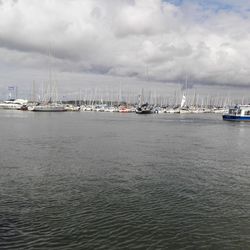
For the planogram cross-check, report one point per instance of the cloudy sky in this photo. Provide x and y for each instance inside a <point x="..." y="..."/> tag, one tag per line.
<point x="106" y="43"/>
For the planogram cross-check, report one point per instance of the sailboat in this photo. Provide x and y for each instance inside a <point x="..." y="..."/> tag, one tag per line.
<point x="48" y="107"/>
<point x="183" y="108"/>
<point x="183" y="100"/>
<point x="49" y="103"/>
<point x="143" y="108"/>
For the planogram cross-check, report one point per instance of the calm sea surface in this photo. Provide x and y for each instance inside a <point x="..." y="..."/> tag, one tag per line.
<point x="123" y="181"/>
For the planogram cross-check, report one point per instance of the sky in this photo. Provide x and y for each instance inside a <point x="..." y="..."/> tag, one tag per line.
<point x="109" y="44"/>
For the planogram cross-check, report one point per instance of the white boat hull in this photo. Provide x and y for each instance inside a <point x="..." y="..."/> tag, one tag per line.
<point x="47" y="108"/>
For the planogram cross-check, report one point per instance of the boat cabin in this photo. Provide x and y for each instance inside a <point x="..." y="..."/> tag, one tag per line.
<point x="242" y="110"/>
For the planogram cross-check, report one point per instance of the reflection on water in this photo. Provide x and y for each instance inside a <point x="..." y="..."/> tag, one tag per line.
<point x="123" y="181"/>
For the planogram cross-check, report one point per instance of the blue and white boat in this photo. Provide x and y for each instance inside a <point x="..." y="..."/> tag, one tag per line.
<point x="237" y="113"/>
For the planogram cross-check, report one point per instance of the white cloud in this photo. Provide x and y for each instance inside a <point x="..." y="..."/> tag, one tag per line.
<point x="124" y="37"/>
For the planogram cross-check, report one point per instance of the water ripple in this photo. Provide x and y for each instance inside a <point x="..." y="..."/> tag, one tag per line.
<point x="123" y="183"/>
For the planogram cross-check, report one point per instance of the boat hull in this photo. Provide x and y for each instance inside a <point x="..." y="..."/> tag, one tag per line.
<point x="145" y="112"/>
<point x="10" y="106"/>
<point x="47" y="108"/>
<point x="236" y="118"/>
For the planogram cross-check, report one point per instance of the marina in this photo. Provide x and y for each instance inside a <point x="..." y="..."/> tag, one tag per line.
<point x="187" y="101"/>
<point x="142" y="103"/>
<point x="124" y="125"/>
<point x="122" y="108"/>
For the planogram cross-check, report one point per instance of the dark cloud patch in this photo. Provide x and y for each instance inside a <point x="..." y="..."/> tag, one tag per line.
<point x="19" y="46"/>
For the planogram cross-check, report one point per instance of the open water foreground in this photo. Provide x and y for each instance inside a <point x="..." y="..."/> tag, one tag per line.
<point x="123" y="181"/>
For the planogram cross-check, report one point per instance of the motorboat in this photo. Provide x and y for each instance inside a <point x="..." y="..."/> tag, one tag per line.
<point x="237" y="113"/>
<point x="14" y="104"/>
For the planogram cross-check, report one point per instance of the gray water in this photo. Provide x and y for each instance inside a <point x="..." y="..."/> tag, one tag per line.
<point x="123" y="181"/>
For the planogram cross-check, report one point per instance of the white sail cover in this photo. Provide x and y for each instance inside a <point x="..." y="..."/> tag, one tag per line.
<point x="183" y="101"/>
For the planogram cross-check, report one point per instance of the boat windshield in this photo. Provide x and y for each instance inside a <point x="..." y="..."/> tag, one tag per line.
<point x="232" y="111"/>
<point x="235" y="111"/>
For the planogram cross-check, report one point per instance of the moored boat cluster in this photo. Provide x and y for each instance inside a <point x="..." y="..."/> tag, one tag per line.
<point x="21" y="104"/>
